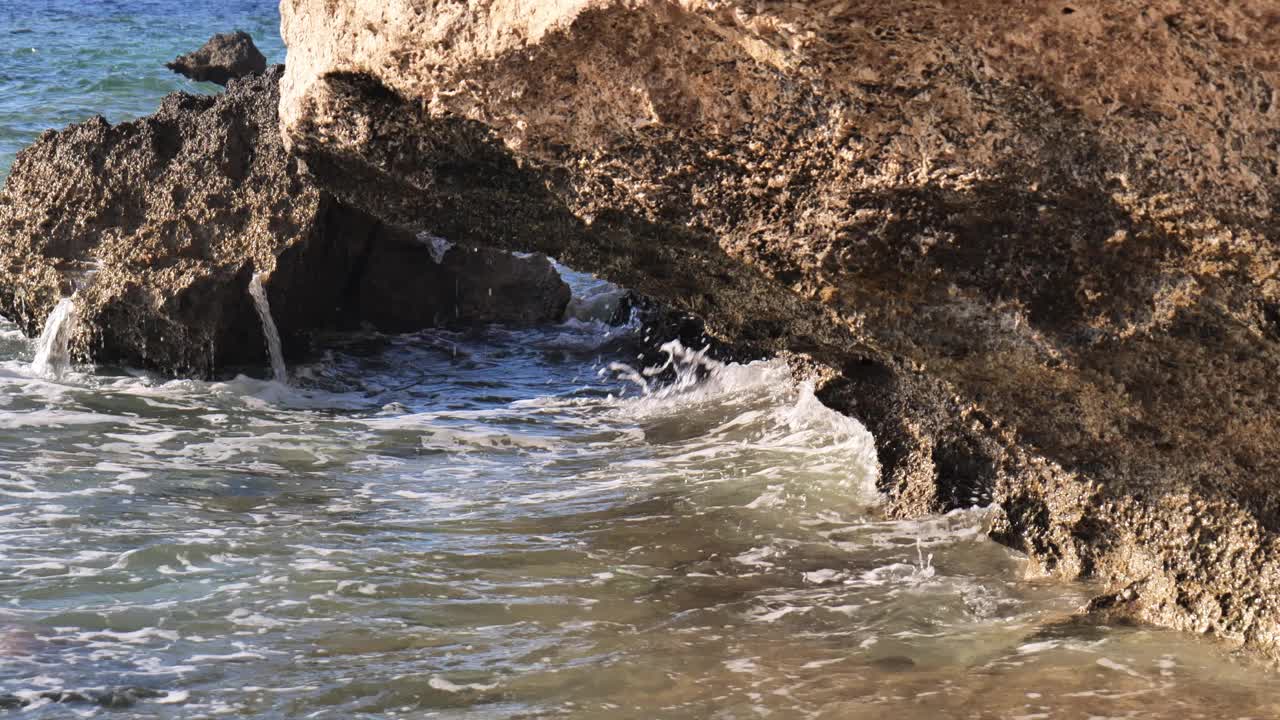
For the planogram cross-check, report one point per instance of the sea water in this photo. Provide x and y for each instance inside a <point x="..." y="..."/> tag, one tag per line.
<point x="64" y="61"/>
<point x="506" y="524"/>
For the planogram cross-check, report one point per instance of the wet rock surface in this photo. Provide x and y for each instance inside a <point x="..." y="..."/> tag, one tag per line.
<point x="226" y="57"/>
<point x="1033" y="248"/>
<point x="158" y="225"/>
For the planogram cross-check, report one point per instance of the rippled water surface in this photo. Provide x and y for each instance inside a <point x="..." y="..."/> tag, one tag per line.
<point x="64" y="61"/>
<point x="491" y="525"/>
<point x="496" y="525"/>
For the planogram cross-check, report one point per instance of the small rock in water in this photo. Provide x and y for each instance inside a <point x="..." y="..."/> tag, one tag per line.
<point x="16" y="642"/>
<point x="226" y="57"/>
<point x="115" y="699"/>
<point x="894" y="663"/>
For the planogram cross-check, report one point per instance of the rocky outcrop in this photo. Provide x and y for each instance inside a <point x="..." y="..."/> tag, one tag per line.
<point x="1033" y="246"/>
<point x="226" y="57"/>
<point x="158" y="226"/>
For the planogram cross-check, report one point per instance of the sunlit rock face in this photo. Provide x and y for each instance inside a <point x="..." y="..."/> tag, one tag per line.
<point x="1033" y="244"/>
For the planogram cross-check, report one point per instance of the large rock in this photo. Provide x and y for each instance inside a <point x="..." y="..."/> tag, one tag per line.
<point x="225" y="57"/>
<point x="1034" y="244"/>
<point x="158" y="226"/>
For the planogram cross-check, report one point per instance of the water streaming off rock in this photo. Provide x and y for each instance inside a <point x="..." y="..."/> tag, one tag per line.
<point x="494" y="525"/>
<point x="270" y="333"/>
<point x="53" y="351"/>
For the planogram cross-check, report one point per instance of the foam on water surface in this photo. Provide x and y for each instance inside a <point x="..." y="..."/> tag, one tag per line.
<point x="496" y="524"/>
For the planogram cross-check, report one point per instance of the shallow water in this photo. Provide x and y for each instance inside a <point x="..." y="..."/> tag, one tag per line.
<point x="495" y="525"/>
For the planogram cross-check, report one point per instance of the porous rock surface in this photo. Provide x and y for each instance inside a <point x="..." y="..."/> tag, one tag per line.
<point x="1033" y="246"/>
<point x="225" y="57"/>
<point x="158" y="225"/>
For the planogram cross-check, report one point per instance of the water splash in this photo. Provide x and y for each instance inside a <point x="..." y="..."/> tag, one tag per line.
<point x="438" y="246"/>
<point x="684" y="369"/>
<point x="753" y="425"/>
<point x="53" y="349"/>
<point x="269" y="330"/>
<point x="594" y="299"/>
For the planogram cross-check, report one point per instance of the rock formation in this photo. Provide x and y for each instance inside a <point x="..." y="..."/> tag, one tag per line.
<point x="226" y="57"/>
<point x="158" y="225"/>
<point x="1032" y="246"/>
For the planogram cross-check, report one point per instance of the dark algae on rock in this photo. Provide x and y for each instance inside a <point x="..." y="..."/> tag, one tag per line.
<point x="1035" y="251"/>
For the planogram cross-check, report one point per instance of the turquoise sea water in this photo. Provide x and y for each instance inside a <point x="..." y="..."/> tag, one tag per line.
<point x="64" y="61"/>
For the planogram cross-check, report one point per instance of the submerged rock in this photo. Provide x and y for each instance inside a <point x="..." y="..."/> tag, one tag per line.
<point x="115" y="698"/>
<point x="225" y="57"/>
<point x="158" y="225"/>
<point x="1032" y="247"/>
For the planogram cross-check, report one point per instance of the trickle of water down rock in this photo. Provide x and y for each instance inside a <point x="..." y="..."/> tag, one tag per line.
<point x="53" y="351"/>
<point x="269" y="330"/>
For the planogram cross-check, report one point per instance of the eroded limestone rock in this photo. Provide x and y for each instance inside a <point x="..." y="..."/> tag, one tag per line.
<point x="225" y="57"/>
<point x="1034" y="245"/>
<point x="158" y="226"/>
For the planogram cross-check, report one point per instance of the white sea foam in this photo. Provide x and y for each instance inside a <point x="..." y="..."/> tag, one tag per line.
<point x="445" y="685"/>
<point x="241" y="656"/>
<point x="471" y="513"/>
<point x="754" y="424"/>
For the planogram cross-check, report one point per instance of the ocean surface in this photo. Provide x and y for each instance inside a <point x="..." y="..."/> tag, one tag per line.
<point x="492" y="524"/>
<point x="64" y="61"/>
